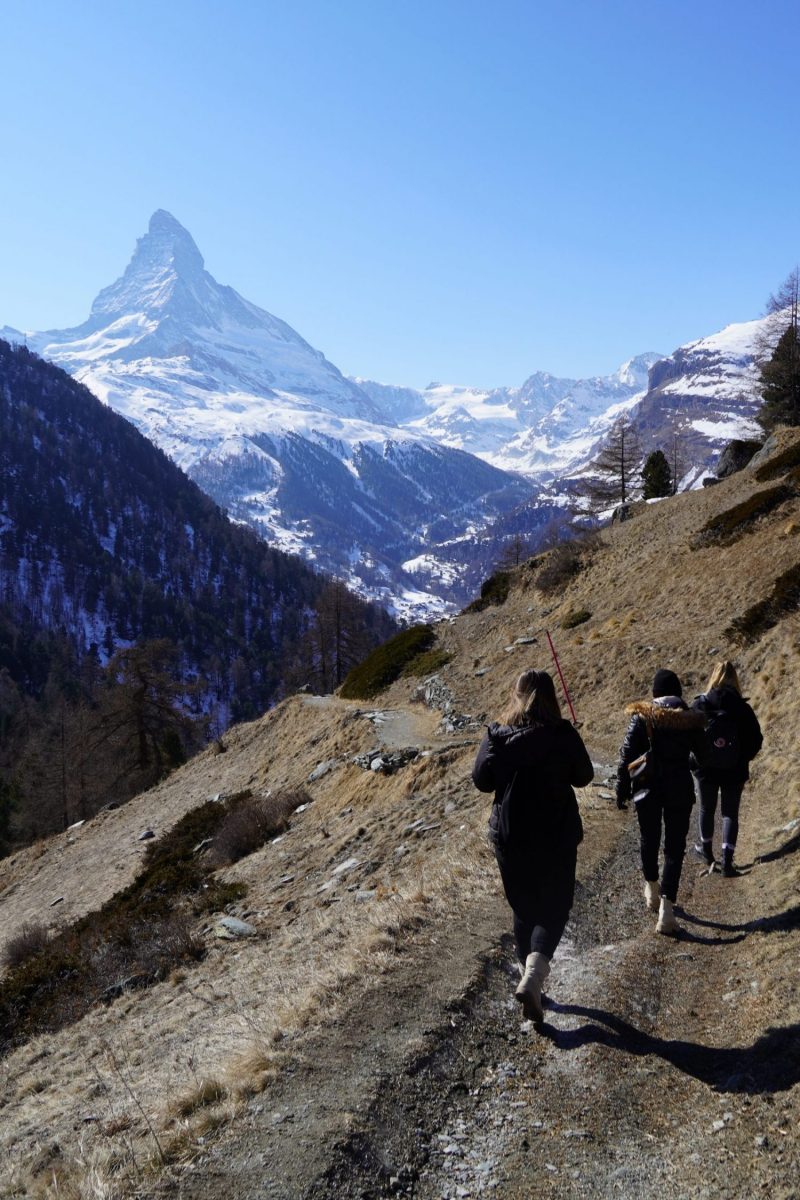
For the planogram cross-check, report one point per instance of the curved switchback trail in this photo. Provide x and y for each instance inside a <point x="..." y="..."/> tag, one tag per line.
<point x="648" y="1078"/>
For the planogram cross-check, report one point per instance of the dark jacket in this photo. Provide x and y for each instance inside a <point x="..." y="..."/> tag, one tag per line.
<point x="532" y="769"/>
<point x="728" y="700"/>
<point x="677" y="736"/>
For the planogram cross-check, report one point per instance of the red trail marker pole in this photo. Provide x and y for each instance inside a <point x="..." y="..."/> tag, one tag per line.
<point x="561" y="676"/>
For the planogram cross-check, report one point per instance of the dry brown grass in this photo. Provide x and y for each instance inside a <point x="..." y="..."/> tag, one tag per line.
<point x="243" y="1013"/>
<point x="205" y="1092"/>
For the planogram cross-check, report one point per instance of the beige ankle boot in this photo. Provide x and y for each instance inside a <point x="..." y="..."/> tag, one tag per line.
<point x="529" y="990"/>
<point x="652" y="894"/>
<point x="666" y="917"/>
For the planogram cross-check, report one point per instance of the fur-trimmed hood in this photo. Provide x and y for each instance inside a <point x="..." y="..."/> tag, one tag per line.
<point x="674" y="715"/>
<point x="676" y="735"/>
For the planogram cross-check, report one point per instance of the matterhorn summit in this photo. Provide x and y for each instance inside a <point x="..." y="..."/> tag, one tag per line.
<point x="273" y="431"/>
<point x="169" y="319"/>
<point x="165" y="276"/>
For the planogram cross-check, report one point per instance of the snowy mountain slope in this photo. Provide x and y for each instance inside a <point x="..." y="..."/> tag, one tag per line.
<point x="537" y="429"/>
<point x="550" y="428"/>
<point x="390" y="487"/>
<point x="710" y="386"/>
<point x="104" y="541"/>
<point x="267" y="426"/>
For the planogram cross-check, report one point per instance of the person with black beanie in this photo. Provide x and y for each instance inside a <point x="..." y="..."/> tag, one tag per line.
<point x="669" y="734"/>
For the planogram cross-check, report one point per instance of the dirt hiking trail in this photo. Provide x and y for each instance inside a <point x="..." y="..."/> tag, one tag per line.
<point x="645" y="1079"/>
<point x="362" y="1040"/>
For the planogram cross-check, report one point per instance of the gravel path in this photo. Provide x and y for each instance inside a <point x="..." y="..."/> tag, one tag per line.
<point x="646" y="1079"/>
<point x="641" y="1083"/>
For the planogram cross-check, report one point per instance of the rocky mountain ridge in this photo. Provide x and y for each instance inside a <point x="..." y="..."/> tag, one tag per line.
<point x="705" y="392"/>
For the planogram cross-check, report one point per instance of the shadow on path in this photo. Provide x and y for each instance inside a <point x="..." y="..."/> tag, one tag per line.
<point x="778" y="923"/>
<point x="771" y="1064"/>
<point x="686" y="935"/>
<point x="789" y="847"/>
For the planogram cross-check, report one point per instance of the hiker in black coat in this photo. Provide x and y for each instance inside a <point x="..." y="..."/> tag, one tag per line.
<point x="734" y="738"/>
<point x="532" y="761"/>
<point x="673" y="734"/>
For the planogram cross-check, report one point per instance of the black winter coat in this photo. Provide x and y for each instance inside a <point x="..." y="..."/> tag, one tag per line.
<point x="747" y="726"/>
<point x="677" y="738"/>
<point x="532" y="769"/>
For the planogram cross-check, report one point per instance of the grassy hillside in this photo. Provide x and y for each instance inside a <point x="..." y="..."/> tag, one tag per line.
<point x="385" y="875"/>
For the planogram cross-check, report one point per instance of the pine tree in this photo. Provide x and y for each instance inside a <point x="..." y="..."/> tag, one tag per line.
<point x="9" y="800"/>
<point x="780" y="383"/>
<point x="677" y="454"/>
<point x="656" y="476"/>
<point x="778" y="356"/>
<point x="514" y="552"/>
<point x="612" y="477"/>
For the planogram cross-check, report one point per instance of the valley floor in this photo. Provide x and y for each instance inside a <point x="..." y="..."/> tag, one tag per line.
<point x="665" y="1067"/>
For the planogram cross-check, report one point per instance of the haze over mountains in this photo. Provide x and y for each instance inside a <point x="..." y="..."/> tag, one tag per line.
<point x="393" y="489"/>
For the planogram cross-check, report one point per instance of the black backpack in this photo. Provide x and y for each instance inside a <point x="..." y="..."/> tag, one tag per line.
<point x="724" y="749"/>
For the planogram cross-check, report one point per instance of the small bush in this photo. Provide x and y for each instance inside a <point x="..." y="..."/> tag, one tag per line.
<point x="386" y="663"/>
<point x="494" y="590"/>
<point x="728" y="526"/>
<point x="784" y="597"/>
<point x="135" y="939"/>
<point x="565" y="561"/>
<point x="248" y="825"/>
<point x="31" y="939"/>
<point x="577" y="617"/>
<point x="428" y="663"/>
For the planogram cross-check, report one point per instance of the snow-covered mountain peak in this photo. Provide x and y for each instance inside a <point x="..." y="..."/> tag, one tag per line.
<point x="162" y="223"/>
<point x="166" y="323"/>
<point x="166" y="276"/>
<point x="634" y="372"/>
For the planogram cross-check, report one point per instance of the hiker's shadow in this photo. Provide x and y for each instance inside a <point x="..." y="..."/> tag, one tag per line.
<point x="682" y="934"/>
<point x="778" y="923"/>
<point x="789" y="847"/>
<point x="771" y="1064"/>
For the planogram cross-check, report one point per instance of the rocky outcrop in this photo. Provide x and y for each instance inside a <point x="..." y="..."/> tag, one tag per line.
<point x="735" y="457"/>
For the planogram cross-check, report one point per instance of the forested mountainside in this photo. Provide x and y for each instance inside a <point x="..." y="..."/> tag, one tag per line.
<point x="118" y="576"/>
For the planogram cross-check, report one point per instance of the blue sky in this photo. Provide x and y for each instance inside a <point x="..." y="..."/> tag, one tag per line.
<point x="425" y="189"/>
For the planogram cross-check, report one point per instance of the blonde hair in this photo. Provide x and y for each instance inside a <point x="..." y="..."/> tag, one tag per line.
<point x="533" y="700"/>
<point x="724" y="675"/>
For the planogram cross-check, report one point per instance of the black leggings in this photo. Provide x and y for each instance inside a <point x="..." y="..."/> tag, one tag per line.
<point x="730" y="794"/>
<point x="540" y="892"/>
<point x="650" y="813"/>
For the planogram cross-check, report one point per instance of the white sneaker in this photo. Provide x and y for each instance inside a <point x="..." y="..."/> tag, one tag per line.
<point x="529" y="989"/>
<point x="652" y="894"/>
<point x="666" y="917"/>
